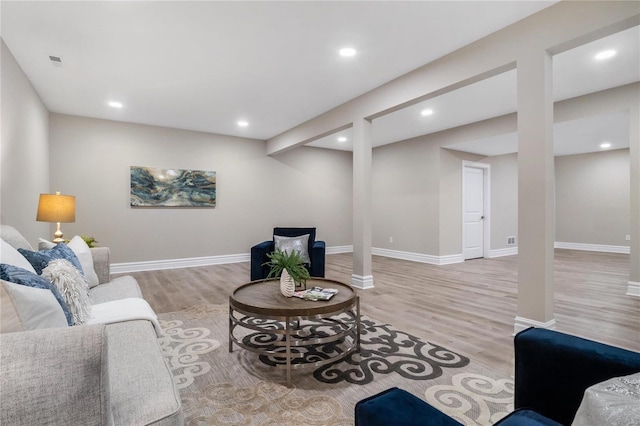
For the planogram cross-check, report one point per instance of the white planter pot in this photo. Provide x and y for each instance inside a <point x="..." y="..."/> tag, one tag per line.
<point x="287" y="285"/>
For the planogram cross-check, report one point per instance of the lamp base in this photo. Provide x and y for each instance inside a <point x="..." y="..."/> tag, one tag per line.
<point x="57" y="236"/>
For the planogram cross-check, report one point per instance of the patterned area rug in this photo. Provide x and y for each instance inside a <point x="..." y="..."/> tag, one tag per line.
<point x="242" y="388"/>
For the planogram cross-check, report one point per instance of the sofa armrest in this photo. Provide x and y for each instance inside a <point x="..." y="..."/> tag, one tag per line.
<point x="258" y="258"/>
<point x="317" y="258"/>
<point x="553" y="369"/>
<point x="399" y="408"/>
<point x="55" y="378"/>
<point x="102" y="263"/>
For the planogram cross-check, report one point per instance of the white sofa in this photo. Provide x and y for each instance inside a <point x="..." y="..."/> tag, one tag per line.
<point x="111" y="374"/>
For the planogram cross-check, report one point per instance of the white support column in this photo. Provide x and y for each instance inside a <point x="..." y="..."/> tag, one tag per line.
<point x="362" y="215"/>
<point x="634" y="164"/>
<point x="536" y="186"/>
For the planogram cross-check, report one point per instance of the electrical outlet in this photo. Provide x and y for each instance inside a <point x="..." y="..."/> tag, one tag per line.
<point x="627" y="237"/>
<point x="391" y="240"/>
<point x="511" y="241"/>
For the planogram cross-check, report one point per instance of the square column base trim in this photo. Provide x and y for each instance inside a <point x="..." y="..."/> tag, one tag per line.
<point x="362" y="282"/>
<point x="524" y="323"/>
<point x="633" y="289"/>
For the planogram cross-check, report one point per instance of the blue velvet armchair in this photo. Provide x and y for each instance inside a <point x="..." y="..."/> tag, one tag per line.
<point x="552" y="372"/>
<point x="316" y="253"/>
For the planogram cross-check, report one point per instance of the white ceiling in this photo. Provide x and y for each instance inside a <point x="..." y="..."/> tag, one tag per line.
<point x="205" y="65"/>
<point x="578" y="136"/>
<point x="575" y="73"/>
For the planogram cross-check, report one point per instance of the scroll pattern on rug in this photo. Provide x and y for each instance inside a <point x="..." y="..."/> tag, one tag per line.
<point x="473" y="398"/>
<point x="183" y="348"/>
<point x="383" y="350"/>
<point x="234" y="388"/>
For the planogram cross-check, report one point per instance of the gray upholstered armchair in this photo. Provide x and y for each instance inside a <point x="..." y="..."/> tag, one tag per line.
<point x="316" y="250"/>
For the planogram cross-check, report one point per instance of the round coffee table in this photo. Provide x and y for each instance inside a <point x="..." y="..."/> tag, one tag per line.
<point x="259" y="306"/>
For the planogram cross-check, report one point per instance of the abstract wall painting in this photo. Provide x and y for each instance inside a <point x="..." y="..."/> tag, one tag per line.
<point x="153" y="187"/>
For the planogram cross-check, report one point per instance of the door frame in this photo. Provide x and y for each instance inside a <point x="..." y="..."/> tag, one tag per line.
<point x="486" y="201"/>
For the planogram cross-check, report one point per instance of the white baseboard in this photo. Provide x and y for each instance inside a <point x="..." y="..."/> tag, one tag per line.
<point x="592" y="247"/>
<point x="524" y="323"/>
<point x="339" y="249"/>
<point x="510" y="251"/>
<point x="362" y="282"/>
<point x="154" y="265"/>
<point x="418" y="257"/>
<point x="633" y="289"/>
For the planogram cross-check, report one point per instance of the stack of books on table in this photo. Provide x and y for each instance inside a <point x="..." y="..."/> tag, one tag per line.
<point x="316" y="293"/>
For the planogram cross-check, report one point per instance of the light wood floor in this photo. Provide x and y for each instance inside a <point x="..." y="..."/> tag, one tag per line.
<point x="467" y="307"/>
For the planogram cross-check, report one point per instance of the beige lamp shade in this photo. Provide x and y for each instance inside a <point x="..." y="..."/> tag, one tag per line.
<point x="56" y="208"/>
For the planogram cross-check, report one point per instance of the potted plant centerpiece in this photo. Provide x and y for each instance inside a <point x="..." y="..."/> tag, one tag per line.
<point x="290" y="268"/>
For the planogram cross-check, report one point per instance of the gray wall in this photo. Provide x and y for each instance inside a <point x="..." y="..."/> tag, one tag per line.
<point x="91" y="158"/>
<point x="417" y="196"/>
<point x="418" y="199"/>
<point x="24" y="150"/>
<point x="405" y="200"/>
<point x="592" y="198"/>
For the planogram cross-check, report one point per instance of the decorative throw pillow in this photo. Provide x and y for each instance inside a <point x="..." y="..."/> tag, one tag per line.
<point x="83" y="253"/>
<point x="73" y="288"/>
<point x="40" y="259"/>
<point x="13" y="237"/>
<point x="299" y="244"/>
<point x="28" y="308"/>
<point x="10" y="322"/>
<point x="21" y="276"/>
<point x="11" y="256"/>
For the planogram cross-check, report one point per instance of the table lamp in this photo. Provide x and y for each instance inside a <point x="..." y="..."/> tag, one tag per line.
<point x="56" y="208"/>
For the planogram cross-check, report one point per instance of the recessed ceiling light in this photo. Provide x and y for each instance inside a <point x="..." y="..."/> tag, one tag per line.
<point x="342" y="139"/>
<point x="243" y="123"/>
<point x="605" y="145"/>
<point x="426" y="112"/>
<point x="606" y="54"/>
<point x="115" y="104"/>
<point x="347" y="51"/>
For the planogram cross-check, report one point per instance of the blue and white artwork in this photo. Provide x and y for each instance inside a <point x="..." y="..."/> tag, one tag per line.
<point x="172" y="187"/>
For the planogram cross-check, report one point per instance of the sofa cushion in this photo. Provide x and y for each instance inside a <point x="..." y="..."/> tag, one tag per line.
<point x="40" y="259"/>
<point x="72" y="286"/>
<point x="11" y="256"/>
<point x="142" y="387"/>
<point x="55" y="379"/>
<point x="14" y="238"/>
<point x="27" y="308"/>
<point x="119" y="288"/>
<point x="82" y="252"/>
<point x="21" y="276"/>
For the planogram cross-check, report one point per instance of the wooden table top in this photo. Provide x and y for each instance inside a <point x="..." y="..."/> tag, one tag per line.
<point x="263" y="297"/>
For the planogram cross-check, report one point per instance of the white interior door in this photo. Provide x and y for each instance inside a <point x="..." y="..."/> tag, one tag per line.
<point x="473" y="213"/>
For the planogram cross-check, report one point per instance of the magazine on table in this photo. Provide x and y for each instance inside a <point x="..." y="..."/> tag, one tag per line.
<point x="316" y="293"/>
